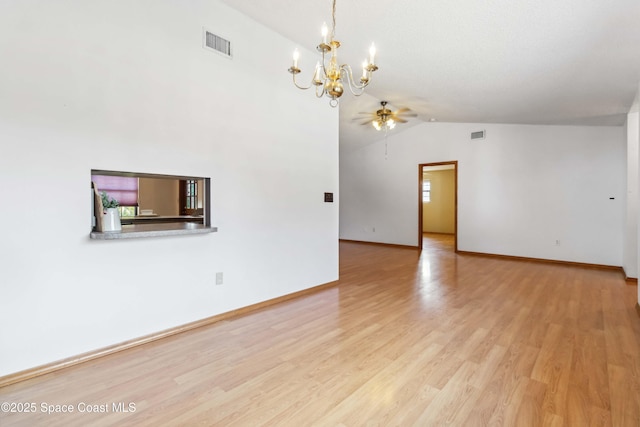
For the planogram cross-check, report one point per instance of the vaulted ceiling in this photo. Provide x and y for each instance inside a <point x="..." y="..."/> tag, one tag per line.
<point x="494" y="61"/>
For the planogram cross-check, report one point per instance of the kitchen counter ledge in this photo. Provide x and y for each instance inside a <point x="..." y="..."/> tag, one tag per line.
<point x="138" y="231"/>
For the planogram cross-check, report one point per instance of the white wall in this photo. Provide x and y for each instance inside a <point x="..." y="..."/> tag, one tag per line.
<point x="519" y="190"/>
<point x="126" y="86"/>
<point x="632" y="231"/>
<point x="630" y="259"/>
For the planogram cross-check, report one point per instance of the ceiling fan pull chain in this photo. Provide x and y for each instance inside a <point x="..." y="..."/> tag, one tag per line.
<point x="385" y="142"/>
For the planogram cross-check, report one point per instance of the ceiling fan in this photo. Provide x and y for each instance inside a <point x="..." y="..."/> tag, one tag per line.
<point x="385" y="119"/>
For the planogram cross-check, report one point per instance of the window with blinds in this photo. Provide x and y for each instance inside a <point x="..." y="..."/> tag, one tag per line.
<point x="426" y="191"/>
<point x="124" y="189"/>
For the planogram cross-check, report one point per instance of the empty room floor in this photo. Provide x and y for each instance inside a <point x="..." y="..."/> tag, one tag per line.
<point x="405" y="338"/>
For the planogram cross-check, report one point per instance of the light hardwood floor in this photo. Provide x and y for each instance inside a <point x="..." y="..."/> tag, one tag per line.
<point x="404" y="339"/>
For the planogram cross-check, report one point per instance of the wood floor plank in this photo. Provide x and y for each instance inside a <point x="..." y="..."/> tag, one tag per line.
<point x="404" y="339"/>
<point x="530" y="411"/>
<point x="497" y="403"/>
<point x="449" y="407"/>
<point x="625" y="407"/>
<point x="589" y="368"/>
<point x="553" y="368"/>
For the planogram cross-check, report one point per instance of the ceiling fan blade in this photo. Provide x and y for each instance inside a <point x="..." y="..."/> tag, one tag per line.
<point x="383" y="114"/>
<point x="406" y="113"/>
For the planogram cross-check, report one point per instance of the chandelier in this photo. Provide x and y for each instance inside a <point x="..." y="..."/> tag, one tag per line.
<point x="328" y="76"/>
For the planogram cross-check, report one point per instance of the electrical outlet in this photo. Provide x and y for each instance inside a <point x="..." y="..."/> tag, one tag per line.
<point x="557" y="242"/>
<point x="219" y="279"/>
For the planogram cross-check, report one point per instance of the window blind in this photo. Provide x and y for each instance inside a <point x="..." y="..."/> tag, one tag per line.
<point x="122" y="188"/>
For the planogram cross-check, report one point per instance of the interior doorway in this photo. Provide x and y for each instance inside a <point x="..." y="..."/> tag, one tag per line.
<point x="432" y="178"/>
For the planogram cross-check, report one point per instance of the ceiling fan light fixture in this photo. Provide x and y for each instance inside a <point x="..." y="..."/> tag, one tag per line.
<point x="381" y="124"/>
<point x="390" y="124"/>
<point x="329" y="76"/>
<point x="386" y="119"/>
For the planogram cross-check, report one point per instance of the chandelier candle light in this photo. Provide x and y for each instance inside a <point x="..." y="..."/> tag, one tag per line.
<point x="328" y="77"/>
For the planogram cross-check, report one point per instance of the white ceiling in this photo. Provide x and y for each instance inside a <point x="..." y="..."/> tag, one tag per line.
<point x="493" y="61"/>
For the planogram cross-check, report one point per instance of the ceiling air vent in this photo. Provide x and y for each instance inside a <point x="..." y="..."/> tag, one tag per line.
<point x="478" y="135"/>
<point x="216" y="43"/>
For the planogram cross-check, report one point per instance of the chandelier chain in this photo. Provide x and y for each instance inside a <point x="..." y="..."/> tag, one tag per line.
<point x="333" y="18"/>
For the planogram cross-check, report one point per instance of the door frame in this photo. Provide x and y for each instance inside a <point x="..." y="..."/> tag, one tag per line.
<point x="421" y="166"/>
